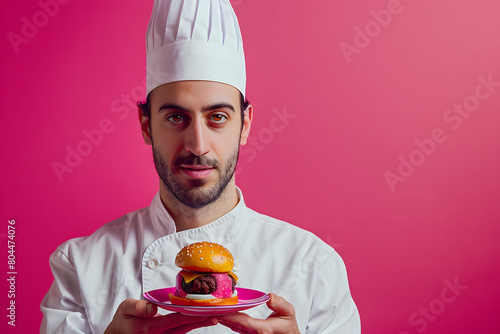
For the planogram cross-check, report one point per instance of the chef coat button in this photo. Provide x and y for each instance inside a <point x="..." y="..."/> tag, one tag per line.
<point x="153" y="264"/>
<point x="237" y="265"/>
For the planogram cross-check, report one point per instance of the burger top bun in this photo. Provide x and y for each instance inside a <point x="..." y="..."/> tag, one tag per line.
<point x="205" y="257"/>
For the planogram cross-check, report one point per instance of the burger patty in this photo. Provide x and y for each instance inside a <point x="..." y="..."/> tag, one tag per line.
<point x="203" y="285"/>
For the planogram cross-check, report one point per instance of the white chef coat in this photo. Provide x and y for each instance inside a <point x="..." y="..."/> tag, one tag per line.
<point x="136" y="253"/>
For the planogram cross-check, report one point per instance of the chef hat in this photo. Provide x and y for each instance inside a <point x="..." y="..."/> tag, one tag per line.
<point x="194" y="40"/>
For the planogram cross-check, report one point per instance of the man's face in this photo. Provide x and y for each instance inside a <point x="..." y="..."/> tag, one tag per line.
<point x="195" y="133"/>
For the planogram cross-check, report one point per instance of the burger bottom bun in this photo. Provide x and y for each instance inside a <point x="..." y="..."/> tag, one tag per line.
<point x="202" y="302"/>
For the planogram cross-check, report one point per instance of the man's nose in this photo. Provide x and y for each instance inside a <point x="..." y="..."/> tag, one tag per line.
<point x="197" y="138"/>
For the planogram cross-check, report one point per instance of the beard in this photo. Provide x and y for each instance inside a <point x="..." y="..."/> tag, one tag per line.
<point x="195" y="195"/>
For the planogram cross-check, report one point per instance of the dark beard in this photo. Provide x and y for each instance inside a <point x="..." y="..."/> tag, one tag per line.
<point x="195" y="196"/>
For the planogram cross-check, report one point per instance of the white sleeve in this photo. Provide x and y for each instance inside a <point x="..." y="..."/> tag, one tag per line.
<point x="62" y="307"/>
<point x="333" y="310"/>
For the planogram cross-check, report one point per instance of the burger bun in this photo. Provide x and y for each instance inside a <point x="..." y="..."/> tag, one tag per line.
<point x="205" y="257"/>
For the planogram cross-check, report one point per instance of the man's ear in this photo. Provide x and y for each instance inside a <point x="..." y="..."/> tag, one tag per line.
<point x="146" y="133"/>
<point x="247" y="123"/>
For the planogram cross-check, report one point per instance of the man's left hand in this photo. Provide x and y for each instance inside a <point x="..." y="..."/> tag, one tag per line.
<point x="282" y="320"/>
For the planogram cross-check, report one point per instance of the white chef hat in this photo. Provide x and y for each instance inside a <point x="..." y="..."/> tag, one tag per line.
<point x="194" y="40"/>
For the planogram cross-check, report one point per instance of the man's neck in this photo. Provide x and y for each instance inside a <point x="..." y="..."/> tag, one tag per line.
<point x="186" y="218"/>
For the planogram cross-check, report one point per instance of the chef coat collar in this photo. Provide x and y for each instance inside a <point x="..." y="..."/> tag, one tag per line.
<point x="164" y="224"/>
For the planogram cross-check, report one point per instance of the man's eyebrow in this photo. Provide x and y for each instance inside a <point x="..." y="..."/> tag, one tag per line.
<point x="218" y="106"/>
<point x="172" y="106"/>
<point x="211" y="107"/>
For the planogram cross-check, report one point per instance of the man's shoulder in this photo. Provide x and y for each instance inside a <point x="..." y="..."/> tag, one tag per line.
<point x="284" y="229"/>
<point x="118" y="229"/>
<point x="264" y="219"/>
<point x="133" y="219"/>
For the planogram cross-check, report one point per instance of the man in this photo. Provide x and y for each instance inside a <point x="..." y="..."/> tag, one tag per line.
<point x="195" y="118"/>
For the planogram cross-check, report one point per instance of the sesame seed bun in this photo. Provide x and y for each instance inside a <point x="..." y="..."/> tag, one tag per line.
<point x="205" y="257"/>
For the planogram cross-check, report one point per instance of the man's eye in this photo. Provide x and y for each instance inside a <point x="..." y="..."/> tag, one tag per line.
<point x="175" y="118"/>
<point x="218" y="118"/>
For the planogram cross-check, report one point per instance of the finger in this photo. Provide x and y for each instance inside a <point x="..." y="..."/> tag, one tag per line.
<point x="138" y="308"/>
<point x="190" y="326"/>
<point x="233" y="327"/>
<point x="280" y="306"/>
<point x="178" y="323"/>
<point x="241" y="323"/>
<point x="238" y="328"/>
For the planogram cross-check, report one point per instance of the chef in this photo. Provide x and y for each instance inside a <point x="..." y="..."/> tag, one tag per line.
<point x="195" y="118"/>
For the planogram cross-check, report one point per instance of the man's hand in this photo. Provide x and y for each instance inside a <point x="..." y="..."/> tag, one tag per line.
<point x="139" y="316"/>
<point x="282" y="320"/>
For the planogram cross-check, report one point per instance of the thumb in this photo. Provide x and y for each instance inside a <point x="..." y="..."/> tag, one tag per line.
<point x="280" y="306"/>
<point x="138" y="308"/>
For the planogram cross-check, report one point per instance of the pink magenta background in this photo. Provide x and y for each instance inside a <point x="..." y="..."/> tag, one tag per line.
<point x="329" y="126"/>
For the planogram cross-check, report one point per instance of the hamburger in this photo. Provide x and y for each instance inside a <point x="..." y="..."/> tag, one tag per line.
<point x="206" y="278"/>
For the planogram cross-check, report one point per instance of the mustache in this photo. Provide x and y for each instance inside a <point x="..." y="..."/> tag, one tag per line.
<point x="192" y="159"/>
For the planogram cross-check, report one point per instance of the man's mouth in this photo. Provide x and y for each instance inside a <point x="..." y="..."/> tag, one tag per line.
<point x="196" y="171"/>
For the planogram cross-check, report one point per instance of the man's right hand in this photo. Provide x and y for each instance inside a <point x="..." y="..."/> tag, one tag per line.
<point x="139" y="316"/>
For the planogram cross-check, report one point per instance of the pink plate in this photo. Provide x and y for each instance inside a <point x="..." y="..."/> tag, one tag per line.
<point x="247" y="298"/>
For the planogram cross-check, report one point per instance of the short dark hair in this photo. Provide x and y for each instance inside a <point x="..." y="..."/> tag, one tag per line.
<point x="145" y="107"/>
